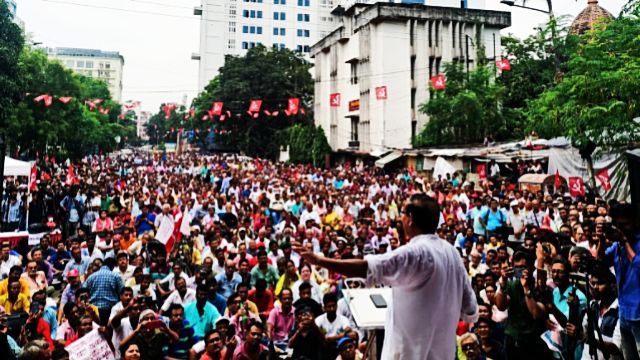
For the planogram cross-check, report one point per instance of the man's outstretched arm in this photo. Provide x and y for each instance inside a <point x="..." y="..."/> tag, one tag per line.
<point x="350" y="268"/>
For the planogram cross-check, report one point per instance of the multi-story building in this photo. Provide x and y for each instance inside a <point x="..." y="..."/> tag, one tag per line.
<point x="12" y="7"/>
<point x="397" y="48"/>
<point x="231" y="27"/>
<point x="102" y="65"/>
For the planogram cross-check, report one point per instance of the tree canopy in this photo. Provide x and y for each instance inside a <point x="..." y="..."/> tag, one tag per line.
<point x="270" y="75"/>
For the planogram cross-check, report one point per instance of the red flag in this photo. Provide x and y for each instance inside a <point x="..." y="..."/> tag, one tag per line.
<point x="438" y="82"/>
<point x="302" y="111"/>
<point x="210" y="112"/>
<point x="222" y="117"/>
<point x="255" y="106"/>
<point x="217" y="108"/>
<point x="40" y="98"/>
<point x="192" y="112"/>
<point x="503" y="64"/>
<point x="65" y="99"/>
<point x="33" y="177"/>
<point x="275" y="113"/>
<point x="334" y="100"/>
<point x="558" y="180"/>
<point x="205" y="117"/>
<point x="381" y="93"/>
<point x="481" y="169"/>
<point x="605" y="180"/>
<point x="255" y="115"/>
<point x="71" y="176"/>
<point x="267" y="112"/>
<point x="576" y="186"/>
<point x="168" y="108"/>
<point x="293" y="106"/>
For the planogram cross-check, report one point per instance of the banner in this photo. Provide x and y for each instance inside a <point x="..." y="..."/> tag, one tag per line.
<point x="92" y="346"/>
<point x="576" y="186"/>
<point x="255" y="105"/>
<point x="438" y="82"/>
<point x="381" y="93"/>
<point x="605" y="180"/>
<point x="217" y="108"/>
<point x="293" y="105"/>
<point x="334" y="100"/>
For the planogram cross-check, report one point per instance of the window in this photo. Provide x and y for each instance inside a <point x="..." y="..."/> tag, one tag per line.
<point x="299" y="48"/>
<point x="303" y="33"/>
<point x="232" y="26"/>
<point x="245" y="13"/>
<point x="307" y="33"/>
<point x="304" y="2"/>
<point x="280" y="2"/>
<point x="252" y="29"/>
<point x="231" y="44"/>
<point x="303" y="17"/>
<point x="69" y="63"/>
<point x="88" y="64"/>
<point x="279" y="16"/>
<point x="245" y="29"/>
<point x="279" y="31"/>
<point x="354" y="128"/>
<point x="259" y="30"/>
<point x="282" y="46"/>
<point x="245" y="45"/>
<point x="307" y="48"/>
<point x="259" y="14"/>
<point x="354" y="73"/>
<point x="80" y="64"/>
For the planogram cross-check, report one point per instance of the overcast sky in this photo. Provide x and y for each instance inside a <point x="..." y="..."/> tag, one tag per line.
<point x="157" y="37"/>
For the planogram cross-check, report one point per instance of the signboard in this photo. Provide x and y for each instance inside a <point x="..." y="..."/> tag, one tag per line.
<point x="90" y="347"/>
<point x="34" y="239"/>
<point x="354" y="105"/>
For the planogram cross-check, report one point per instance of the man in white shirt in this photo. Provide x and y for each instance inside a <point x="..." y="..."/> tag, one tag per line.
<point x="124" y="269"/>
<point x="181" y="295"/>
<point x="7" y="260"/>
<point x="333" y="325"/>
<point x="424" y="324"/>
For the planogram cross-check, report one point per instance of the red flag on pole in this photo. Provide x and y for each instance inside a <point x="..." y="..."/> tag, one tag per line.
<point x="381" y="93"/>
<point x="503" y="64"/>
<point x="558" y="180"/>
<point x="71" y="176"/>
<point x="334" y="100"/>
<point x="481" y="169"/>
<point x="605" y="180"/>
<point x="33" y="177"/>
<point x="438" y="82"/>
<point x="255" y="105"/>
<point x="217" y="108"/>
<point x="293" y="106"/>
<point x="576" y="186"/>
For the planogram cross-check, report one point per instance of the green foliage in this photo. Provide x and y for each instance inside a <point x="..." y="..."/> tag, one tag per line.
<point x="160" y="128"/>
<point x="68" y="129"/>
<point x="272" y="75"/>
<point x="467" y="110"/>
<point x="598" y="97"/>
<point x="11" y="42"/>
<point x="307" y="145"/>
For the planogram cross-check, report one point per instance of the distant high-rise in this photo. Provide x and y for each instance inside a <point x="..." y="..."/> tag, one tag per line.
<point x="102" y="65"/>
<point x="232" y="27"/>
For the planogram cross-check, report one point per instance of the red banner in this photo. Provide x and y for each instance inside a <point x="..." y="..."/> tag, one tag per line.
<point x="217" y="108"/>
<point x="381" y="93"/>
<point x="576" y="186"/>
<point x="293" y="106"/>
<point x="503" y="64"/>
<point x="605" y="180"/>
<point x="255" y="105"/>
<point x="481" y="169"/>
<point x="558" y="180"/>
<point x="33" y="177"/>
<point x="334" y="100"/>
<point x="438" y="82"/>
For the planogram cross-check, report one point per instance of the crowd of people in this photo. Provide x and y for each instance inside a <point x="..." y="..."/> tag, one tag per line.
<point x="193" y="257"/>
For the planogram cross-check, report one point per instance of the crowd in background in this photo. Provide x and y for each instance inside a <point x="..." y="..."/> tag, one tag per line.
<point x="190" y="257"/>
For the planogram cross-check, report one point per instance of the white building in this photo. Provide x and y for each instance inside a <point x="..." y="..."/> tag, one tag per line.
<point x="98" y="64"/>
<point x="401" y="47"/>
<point x="231" y="27"/>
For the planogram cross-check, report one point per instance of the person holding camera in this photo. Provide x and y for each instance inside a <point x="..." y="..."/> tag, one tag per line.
<point x="622" y="254"/>
<point x="518" y="294"/>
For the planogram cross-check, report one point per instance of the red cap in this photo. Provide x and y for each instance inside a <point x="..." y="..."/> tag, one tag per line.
<point x="73" y="273"/>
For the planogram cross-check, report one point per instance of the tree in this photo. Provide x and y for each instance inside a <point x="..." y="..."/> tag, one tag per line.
<point x="307" y="145"/>
<point x="271" y="75"/>
<point x="598" y="98"/>
<point x="467" y="111"/>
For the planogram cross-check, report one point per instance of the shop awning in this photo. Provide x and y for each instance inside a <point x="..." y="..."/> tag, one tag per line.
<point x="395" y="155"/>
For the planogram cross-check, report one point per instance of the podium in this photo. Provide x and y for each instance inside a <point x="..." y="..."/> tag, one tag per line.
<point x="365" y="314"/>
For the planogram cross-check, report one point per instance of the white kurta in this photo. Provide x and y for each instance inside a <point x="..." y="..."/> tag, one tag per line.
<point x="430" y="293"/>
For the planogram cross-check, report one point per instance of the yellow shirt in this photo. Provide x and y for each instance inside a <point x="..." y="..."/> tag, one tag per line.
<point x="24" y="287"/>
<point x="21" y="304"/>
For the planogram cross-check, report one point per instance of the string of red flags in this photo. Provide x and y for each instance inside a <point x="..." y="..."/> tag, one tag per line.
<point x="46" y="98"/>
<point x="65" y="99"/>
<point x="93" y="104"/>
<point x="503" y="64"/>
<point x="438" y="82"/>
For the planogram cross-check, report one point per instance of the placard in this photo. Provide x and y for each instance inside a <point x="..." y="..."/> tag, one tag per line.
<point x="92" y="346"/>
